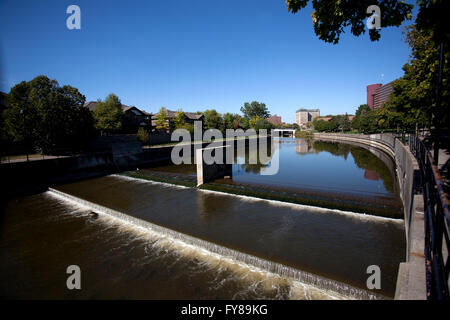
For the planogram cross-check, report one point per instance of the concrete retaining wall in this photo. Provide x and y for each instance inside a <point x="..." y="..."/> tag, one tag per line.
<point x="32" y="176"/>
<point x="411" y="282"/>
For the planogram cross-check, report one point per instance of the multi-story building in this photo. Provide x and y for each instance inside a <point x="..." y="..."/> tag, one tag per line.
<point x="304" y="116"/>
<point x="377" y="94"/>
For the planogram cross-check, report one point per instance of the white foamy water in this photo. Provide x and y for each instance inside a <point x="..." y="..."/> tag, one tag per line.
<point x="256" y="272"/>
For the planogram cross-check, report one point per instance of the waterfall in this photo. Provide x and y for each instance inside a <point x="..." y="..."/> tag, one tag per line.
<point x="237" y="257"/>
<point x="356" y="215"/>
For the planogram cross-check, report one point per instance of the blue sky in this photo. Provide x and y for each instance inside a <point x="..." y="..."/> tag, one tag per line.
<point x="195" y="54"/>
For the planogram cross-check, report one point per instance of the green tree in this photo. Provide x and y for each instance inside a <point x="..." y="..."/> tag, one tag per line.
<point x="213" y="120"/>
<point x="433" y="17"/>
<point x="162" y="120"/>
<point x="255" y="109"/>
<point x="48" y="117"/>
<point x="22" y="118"/>
<point x="179" y="121"/>
<point x="345" y="124"/>
<point x="258" y="123"/>
<point x="108" y="114"/>
<point x="389" y="118"/>
<point x="415" y="93"/>
<point x="330" y="18"/>
<point x="143" y="136"/>
<point x="369" y="122"/>
<point x="230" y="120"/>
<point x="244" y="123"/>
<point x="356" y="122"/>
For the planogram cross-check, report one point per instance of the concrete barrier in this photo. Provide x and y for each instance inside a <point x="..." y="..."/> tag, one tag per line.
<point x="411" y="280"/>
<point x="207" y="172"/>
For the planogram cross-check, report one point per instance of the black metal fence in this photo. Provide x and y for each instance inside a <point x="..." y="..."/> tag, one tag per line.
<point x="437" y="222"/>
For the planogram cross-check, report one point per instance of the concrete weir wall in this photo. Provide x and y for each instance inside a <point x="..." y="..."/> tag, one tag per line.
<point x="411" y="281"/>
<point x="207" y="172"/>
<point x="226" y="150"/>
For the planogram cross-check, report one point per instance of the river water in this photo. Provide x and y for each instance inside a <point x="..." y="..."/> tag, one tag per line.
<point x="43" y="234"/>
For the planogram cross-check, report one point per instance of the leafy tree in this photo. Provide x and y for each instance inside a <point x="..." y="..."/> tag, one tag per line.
<point x="433" y="17"/>
<point x="244" y="123"/>
<point x="389" y="118"/>
<point x="108" y="114"/>
<point x="180" y="122"/>
<point x="162" y="120"/>
<point x="345" y="124"/>
<point x="415" y="93"/>
<point x="255" y="109"/>
<point x="213" y="120"/>
<point x="48" y="117"/>
<point x="369" y="122"/>
<point x="331" y="17"/>
<point x="258" y="123"/>
<point x="230" y="120"/>
<point x="22" y="118"/>
<point x="179" y="119"/>
<point x="143" y="136"/>
<point x="356" y="122"/>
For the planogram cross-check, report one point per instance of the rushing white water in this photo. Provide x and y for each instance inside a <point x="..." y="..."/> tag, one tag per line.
<point x="167" y="238"/>
<point x="313" y="209"/>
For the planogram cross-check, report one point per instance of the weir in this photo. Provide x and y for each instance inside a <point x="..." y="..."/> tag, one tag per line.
<point x="239" y="257"/>
<point x="325" y="250"/>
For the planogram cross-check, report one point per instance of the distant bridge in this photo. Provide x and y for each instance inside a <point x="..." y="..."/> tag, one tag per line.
<point x="286" y="132"/>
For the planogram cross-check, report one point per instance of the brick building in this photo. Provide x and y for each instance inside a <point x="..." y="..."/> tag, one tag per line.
<point x="377" y="94"/>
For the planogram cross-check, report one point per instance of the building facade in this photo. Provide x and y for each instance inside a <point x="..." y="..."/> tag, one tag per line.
<point x="378" y="94"/>
<point x="305" y="116"/>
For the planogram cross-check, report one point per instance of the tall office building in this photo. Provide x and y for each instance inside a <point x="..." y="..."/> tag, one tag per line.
<point x="304" y="116"/>
<point x="378" y="94"/>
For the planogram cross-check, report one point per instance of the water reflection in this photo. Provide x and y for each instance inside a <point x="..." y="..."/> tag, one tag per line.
<point x="327" y="166"/>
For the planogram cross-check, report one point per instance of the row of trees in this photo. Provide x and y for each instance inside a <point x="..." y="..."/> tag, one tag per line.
<point x="254" y="116"/>
<point x="42" y="116"/>
<point x="339" y="123"/>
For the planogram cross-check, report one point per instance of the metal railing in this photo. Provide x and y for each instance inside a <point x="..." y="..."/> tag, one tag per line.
<point x="436" y="221"/>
